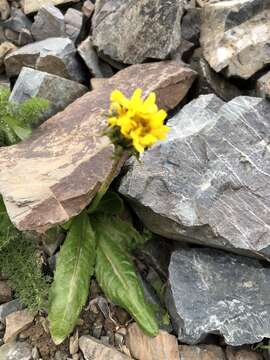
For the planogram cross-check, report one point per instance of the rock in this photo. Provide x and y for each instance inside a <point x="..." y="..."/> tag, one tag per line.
<point x="88" y="8"/>
<point x="154" y="32"/>
<point x="5" y="48"/>
<point x="202" y="352"/>
<point x="59" y="91"/>
<point x="30" y="6"/>
<point x="4" y="9"/>
<point x="97" y="67"/>
<point x="209" y="81"/>
<point x="16" y="323"/>
<point x="242" y="354"/>
<point x="203" y="3"/>
<point x="93" y="349"/>
<point x="142" y="347"/>
<point x="56" y="179"/>
<point x="235" y="36"/>
<point x="16" y="351"/>
<point x="201" y="299"/>
<point x="191" y="26"/>
<point x="9" y="308"/>
<point x="5" y="292"/>
<point x="214" y="182"/>
<point x="263" y="86"/>
<point x="73" y="23"/>
<point x="49" y="22"/>
<point x="54" y="55"/>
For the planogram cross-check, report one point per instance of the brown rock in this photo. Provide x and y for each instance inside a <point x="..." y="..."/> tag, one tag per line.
<point x="4" y="9"/>
<point x="16" y="323"/>
<point x="142" y="347"/>
<point x="30" y="6"/>
<point x="5" y="48"/>
<point x="242" y="354"/>
<point x="93" y="349"/>
<point x="263" y="86"/>
<point x="53" y="175"/>
<point x="5" y="292"/>
<point x="202" y="352"/>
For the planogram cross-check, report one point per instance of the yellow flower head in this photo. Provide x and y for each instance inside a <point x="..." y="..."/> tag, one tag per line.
<point x="140" y="121"/>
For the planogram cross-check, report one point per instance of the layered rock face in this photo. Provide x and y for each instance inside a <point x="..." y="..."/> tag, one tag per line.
<point x="235" y="36"/>
<point x="209" y="182"/>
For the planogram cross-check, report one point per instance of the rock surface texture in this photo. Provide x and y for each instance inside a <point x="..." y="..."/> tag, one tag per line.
<point x="235" y="36"/>
<point x="209" y="182"/>
<point x="55" y="174"/>
<point x="214" y="292"/>
<point x="133" y="31"/>
<point x="30" y="6"/>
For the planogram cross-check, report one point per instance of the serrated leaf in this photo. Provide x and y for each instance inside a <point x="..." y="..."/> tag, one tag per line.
<point x="74" y="268"/>
<point x="117" y="277"/>
<point x="111" y="204"/>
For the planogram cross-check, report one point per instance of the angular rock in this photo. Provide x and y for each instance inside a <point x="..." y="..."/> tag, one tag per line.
<point x="49" y="22"/>
<point x="154" y="32"/>
<point x="213" y="292"/>
<point x="191" y="26"/>
<point x="9" y="308"/>
<point x="54" y="55"/>
<point x="235" y="36"/>
<point x="5" y="292"/>
<point x="263" y="86"/>
<point x="59" y="91"/>
<point x="142" y="347"/>
<point x="16" y="351"/>
<point x="242" y="354"/>
<point x="209" y="182"/>
<point x="4" y="9"/>
<point x="73" y="23"/>
<point x="16" y="323"/>
<point x="30" y="6"/>
<point x="202" y="352"/>
<point x="93" y="349"/>
<point x="60" y="169"/>
<point x="5" y="48"/>
<point x="17" y="21"/>
<point x="88" y="8"/>
<point x="97" y="67"/>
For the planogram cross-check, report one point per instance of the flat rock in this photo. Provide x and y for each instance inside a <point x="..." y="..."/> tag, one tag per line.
<point x="97" y="67"/>
<point x="5" y="292"/>
<point x="94" y="349"/>
<point x="154" y="31"/>
<point x="9" y="308"/>
<point x="209" y="182"/>
<point x="16" y="323"/>
<point x="16" y="351"/>
<point x="235" y="36"/>
<point x="54" y="55"/>
<point x="49" y="22"/>
<point x="142" y="347"/>
<point x="202" y="352"/>
<point x="212" y="292"/>
<point x="30" y="6"/>
<point x="60" y="169"/>
<point x="59" y="91"/>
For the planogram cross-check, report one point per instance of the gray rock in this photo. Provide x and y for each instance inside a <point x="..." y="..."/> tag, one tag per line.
<point x="54" y="55"/>
<point x="209" y="182"/>
<point x="73" y="23"/>
<point x="263" y="86"/>
<point x="17" y="21"/>
<point x="9" y="308"/>
<point x="16" y="351"/>
<point x="191" y="25"/>
<point x="49" y="22"/>
<point x="59" y="91"/>
<point x="88" y="8"/>
<point x="235" y="36"/>
<point x="212" y="292"/>
<point x="209" y="81"/>
<point x="97" y="67"/>
<point x="132" y="31"/>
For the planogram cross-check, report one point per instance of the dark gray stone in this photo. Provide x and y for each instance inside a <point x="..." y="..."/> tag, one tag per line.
<point x="17" y="21"/>
<point x="132" y="31"/>
<point x="59" y="91"/>
<point x="235" y="36"/>
<point x="49" y="22"/>
<point x="191" y="25"/>
<point x="54" y="55"/>
<point x="16" y="351"/>
<point x="212" y="292"/>
<point x="209" y="182"/>
<point x="9" y="308"/>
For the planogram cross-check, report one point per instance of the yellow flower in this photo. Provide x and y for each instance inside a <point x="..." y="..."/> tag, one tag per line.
<point x="140" y="121"/>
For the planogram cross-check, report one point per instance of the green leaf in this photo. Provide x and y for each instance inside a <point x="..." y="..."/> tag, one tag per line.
<point x="117" y="276"/>
<point x="111" y="204"/>
<point x="74" y="268"/>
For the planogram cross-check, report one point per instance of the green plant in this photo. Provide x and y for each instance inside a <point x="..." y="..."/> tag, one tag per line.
<point x="17" y="120"/>
<point x="100" y="244"/>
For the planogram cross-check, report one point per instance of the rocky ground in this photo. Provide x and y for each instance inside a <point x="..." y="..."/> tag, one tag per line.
<point x="204" y="192"/>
